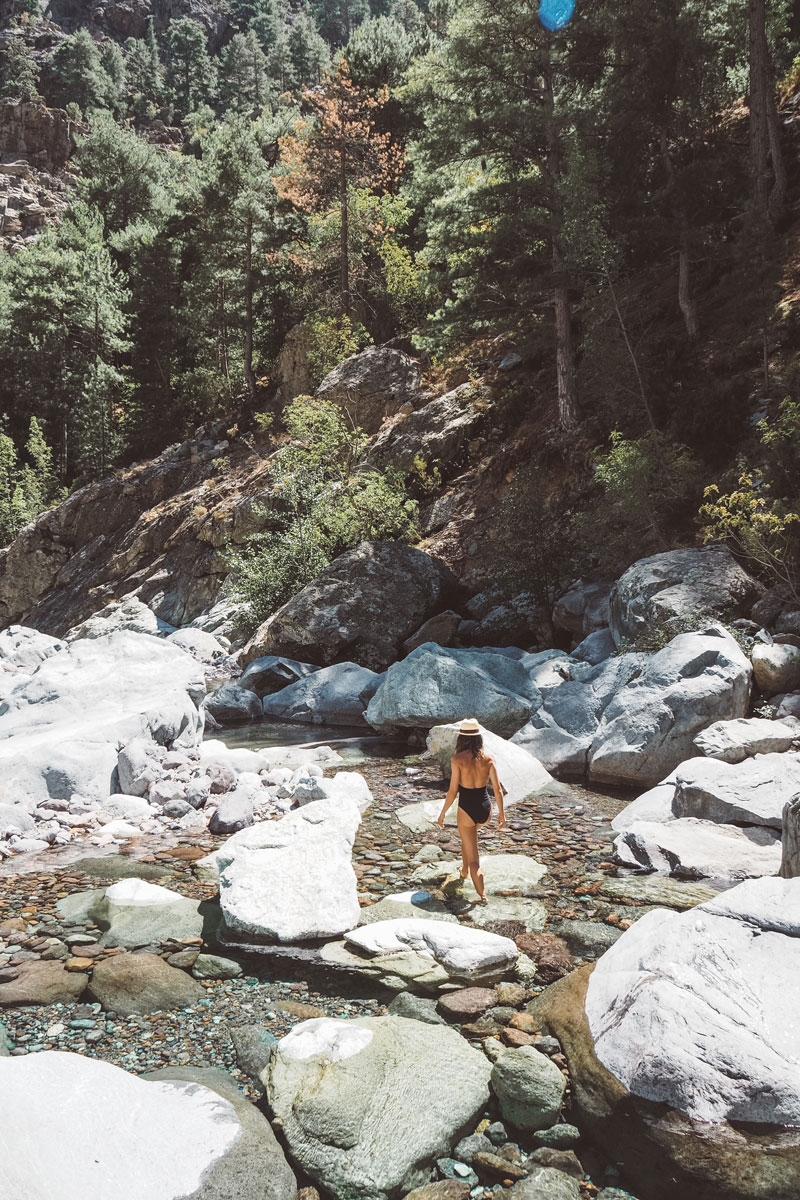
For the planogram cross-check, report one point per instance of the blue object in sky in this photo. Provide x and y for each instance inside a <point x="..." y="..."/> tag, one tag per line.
<point x="556" y="14"/>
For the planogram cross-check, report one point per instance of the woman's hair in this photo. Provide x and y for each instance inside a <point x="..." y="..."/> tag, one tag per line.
<point x="470" y="741"/>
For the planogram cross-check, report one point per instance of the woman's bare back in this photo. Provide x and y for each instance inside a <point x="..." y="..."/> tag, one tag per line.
<point x="473" y="772"/>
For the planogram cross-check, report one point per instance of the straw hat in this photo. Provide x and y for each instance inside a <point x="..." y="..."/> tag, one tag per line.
<point x="469" y="726"/>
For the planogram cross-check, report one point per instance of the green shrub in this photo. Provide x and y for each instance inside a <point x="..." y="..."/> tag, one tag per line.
<point x="322" y="504"/>
<point x="331" y="341"/>
<point x="26" y="489"/>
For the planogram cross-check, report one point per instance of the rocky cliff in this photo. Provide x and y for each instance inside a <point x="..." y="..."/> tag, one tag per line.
<point x="35" y="185"/>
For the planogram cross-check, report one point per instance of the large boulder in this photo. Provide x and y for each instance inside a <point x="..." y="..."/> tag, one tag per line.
<point x="95" y="694"/>
<point x="368" y="1105"/>
<point x="680" y="585"/>
<point x="255" y="1168"/>
<point x="130" y="614"/>
<point x="439" y="432"/>
<point x="776" y="668"/>
<point x="41" y="982"/>
<point x="521" y="775"/>
<point x="693" y="849"/>
<point x="335" y="695"/>
<point x="435" y="686"/>
<point x="138" y="913"/>
<point x="292" y="880"/>
<point x="683" y="1046"/>
<point x="23" y="649"/>
<point x="584" y="609"/>
<point x="360" y="608"/>
<point x="232" y="704"/>
<point x="373" y="385"/>
<point x="468" y="955"/>
<point x="110" y="1133"/>
<point x="752" y="792"/>
<point x="631" y="720"/>
<point x="529" y="1087"/>
<point x="272" y="674"/>
<point x="141" y="983"/>
<point x="733" y="741"/>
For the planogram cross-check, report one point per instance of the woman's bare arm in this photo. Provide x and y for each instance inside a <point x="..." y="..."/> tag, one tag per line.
<point x="497" y="788"/>
<point x="452" y="791"/>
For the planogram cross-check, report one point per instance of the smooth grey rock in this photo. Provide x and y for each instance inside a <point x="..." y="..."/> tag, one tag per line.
<point x="752" y="792"/>
<point x="442" y="629"/>
<point x="138" y="913"/>
<point x="694" y="849"/>
<point x="272" y="673"/>
<point x="519" y="621"/>
<point x="595" y="648"/>
<point x="680" y="584"/>
<point x="24" y="649"/>
<point x="6" y="1043"/>
<point x="416" y="1008"/>
<point x="255" y="1167"/>
<point x="634" y="718"/>
<point x="230" y="704"/>
<point x="253" y="1045"/>
<point x="361" y="607"/>
<point x="213" y="966"/>
<point x="335" y="695"/>
<point x="128" y="614"/>
<point x="471" y="955"/>
<point x="15" y="817"/>
<point x="139" y="766"/>
<point x="529" y="1088"/>
<point x="584" y="609"/>
<point x="234" y="812"/>
<point x="367" y="1105"/>
<point x="776" y="668"/>
<point x="201" y="645"/>
<point x="436" y="686"/>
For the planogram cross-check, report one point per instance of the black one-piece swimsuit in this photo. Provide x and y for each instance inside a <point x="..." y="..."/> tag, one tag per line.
<point x="476" y="803"/>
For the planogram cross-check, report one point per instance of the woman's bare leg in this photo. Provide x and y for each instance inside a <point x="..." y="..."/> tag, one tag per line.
<point x="468" y="831"/>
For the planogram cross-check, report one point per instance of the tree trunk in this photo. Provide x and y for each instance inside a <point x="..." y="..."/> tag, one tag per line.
<point x="766" y="155"/>
<point x="249" y="374"/>
<point x="685" y="298"/>
<point x="790" y="859"/>
<point x="344" y="249"/>
<point x="566" y="382"/>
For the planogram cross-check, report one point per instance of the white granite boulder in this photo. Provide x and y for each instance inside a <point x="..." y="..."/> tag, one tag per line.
<point x="435" y="685"/>
<point x="23" y="649"/>
<point x="292" y="880"/>
<point x="733" y="741"/>
<point x="97" y="693"/>
<point x="465" y="954"/>
<point x="368" y="1105"/>
<point x="129" y="615"/>
<point x="752" y="792"/>
<point x="683" y="1045"/>
<point x="109" y="1134"/>
<point x="693" y="849"/>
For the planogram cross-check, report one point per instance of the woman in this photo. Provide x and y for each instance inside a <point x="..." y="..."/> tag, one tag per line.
<point x="471" y="770"/>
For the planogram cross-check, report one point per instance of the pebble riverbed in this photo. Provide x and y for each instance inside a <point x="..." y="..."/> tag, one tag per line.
<point x="569" y="833"/>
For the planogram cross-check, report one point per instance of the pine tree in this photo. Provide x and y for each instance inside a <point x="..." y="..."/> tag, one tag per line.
<point x="244" y="84"/>
<point x="19" y="71"/>
<point x="122" y="175"/>
<point x="337" y="20"/>
<point x="65" y="303"/>
<point x="82" y="78"/>
<point x="379" y="53"/>
<point x="144" y="72"/>
<point x="339" y="151"/>
<point x="113" y="62"/>
<point x="236" y="297"/>
<point x="306" y="52"/>
<point x="495" y="154"/>
<point x="190" y="76"/>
